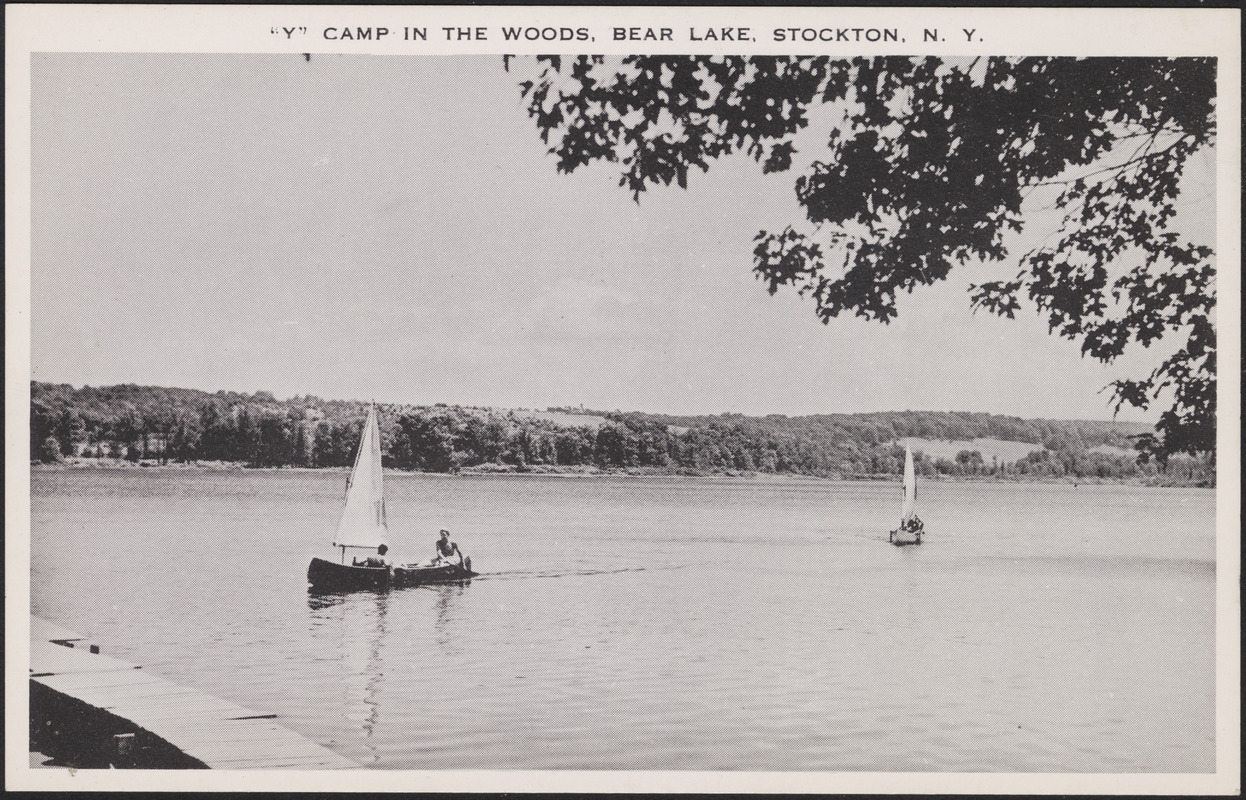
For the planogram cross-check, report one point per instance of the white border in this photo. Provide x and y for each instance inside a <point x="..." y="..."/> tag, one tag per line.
<point x="247" y="29"/>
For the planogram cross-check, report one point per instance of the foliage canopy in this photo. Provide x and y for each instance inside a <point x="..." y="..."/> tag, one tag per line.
<point x="927" y="164"/>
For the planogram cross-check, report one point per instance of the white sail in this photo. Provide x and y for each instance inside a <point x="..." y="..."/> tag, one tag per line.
<point x="910" y="487"/>
<point x="363" y="518"/>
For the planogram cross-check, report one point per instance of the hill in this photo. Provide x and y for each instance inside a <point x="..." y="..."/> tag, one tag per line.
<point x="138" y="423"/>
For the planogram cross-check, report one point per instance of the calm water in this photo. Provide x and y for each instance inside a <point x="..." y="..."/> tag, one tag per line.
<point x="626" y="623"/>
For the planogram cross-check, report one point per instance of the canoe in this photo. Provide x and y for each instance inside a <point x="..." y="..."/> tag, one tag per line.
<point x="328" y="576"/>
<point x="902" y="537"/>
<point x="418" y="575"/>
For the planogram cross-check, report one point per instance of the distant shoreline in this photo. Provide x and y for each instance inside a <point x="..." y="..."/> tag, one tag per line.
<point x="573" y="472"/>
<point x="163" y="424"/>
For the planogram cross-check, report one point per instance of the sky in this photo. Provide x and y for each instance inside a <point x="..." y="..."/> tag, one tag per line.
<point x="392" y="228"/>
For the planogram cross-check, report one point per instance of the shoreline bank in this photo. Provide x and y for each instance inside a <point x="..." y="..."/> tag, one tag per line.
<point x="580" y="472"/>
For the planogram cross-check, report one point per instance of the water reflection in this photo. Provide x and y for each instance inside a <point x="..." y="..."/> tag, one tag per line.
<point x="447" y="623"/>
<point x="350" y="628"/>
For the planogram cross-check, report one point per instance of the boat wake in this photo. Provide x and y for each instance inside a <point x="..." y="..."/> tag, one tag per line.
<point x="565" y="573"/>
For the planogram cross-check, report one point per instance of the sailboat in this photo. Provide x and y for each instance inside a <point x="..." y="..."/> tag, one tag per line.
<point x="364" y="530"/>
<point x="911" y="527"/>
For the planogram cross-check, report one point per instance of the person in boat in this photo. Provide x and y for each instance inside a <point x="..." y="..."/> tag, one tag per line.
<point x="447" y="550"/>
<point x="378" y="560"/>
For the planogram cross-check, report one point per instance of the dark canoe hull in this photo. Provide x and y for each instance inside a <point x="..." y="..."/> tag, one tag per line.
<point x="326" y="575"/>
<point x="329" y="576"/>
<point x="446" y="573"/>
<point x="902" y="538"/>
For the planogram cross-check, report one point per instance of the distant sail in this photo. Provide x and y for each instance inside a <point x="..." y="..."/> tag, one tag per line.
<point x="363" y="518"/>
<point x="910" y="487"/>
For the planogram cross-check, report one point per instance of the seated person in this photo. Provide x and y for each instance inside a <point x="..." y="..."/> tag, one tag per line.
<point x="447" y="550"/>
<point x="378" y="560"/>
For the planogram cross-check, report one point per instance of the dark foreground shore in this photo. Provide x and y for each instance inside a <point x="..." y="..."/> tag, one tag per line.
<point x="93" y="711"/>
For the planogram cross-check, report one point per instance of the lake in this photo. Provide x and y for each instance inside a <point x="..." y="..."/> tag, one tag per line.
<point x="665" y="623"/>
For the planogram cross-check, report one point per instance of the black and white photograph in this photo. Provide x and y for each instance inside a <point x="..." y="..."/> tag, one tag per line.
<point x="623" y="399"/>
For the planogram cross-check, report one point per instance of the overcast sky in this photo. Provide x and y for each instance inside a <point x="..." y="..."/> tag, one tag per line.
<point x="391" y="228"/>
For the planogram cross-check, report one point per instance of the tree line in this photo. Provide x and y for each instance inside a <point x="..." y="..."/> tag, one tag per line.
<point x="156" y="424"/>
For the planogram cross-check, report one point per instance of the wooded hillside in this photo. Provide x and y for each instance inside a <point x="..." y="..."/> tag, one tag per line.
<point x="148" y="423"/>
